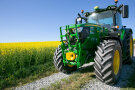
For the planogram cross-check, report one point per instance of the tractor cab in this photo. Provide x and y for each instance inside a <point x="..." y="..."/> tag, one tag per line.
<point x="104" y="19"/>
<point x="109" y="18"/>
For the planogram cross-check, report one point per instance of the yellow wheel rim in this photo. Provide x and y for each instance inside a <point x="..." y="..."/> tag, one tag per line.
<point x="116" y="62"/>
<point x="131" y="48"/>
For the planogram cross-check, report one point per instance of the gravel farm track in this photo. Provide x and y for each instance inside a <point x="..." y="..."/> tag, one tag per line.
<point x="127" y="71"/>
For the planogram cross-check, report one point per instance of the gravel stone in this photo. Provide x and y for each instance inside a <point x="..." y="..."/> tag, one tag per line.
<point x="44" y="82"/>
<point x="97" y="85"/>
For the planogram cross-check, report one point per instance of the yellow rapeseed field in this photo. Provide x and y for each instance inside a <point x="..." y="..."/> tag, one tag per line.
<point x="24" y="59"/>
<point x="30" y="44"/>
<point x="11" y="47"/>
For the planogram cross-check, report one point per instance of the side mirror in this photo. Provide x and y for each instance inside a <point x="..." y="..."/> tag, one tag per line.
<point x="125" y="11"/>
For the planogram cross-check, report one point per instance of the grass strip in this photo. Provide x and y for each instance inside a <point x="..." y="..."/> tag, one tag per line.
<point x="74" y="82"/>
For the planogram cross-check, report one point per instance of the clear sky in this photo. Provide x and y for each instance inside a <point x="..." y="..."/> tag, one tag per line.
<point x="39" y="20"/>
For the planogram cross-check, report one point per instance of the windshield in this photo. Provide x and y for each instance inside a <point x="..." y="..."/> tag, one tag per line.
<point x="105" y="19"/>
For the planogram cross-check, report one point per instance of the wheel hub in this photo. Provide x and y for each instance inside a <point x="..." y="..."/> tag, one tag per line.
<point x="70" y="56"/>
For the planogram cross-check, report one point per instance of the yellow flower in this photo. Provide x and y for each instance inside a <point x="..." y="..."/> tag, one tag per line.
<point x="11" y="48"/>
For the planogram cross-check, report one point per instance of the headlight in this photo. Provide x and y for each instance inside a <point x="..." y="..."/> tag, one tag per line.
<point x="79" y="19"/>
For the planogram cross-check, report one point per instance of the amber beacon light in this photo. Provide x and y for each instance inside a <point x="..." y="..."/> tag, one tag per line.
<point x="116" y="1"/>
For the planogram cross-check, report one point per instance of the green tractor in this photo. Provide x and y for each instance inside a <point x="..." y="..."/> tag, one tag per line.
<point x="97" y="37"/>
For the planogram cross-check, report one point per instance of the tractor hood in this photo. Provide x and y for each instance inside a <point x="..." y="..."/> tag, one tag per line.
<point x="71" y="26"/>
<point x="83" y="25"/>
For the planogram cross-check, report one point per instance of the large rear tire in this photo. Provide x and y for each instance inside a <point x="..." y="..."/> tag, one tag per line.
<point x="58" y="62"/>
<point x="128" y="49"/>
<point x="108" y="61"/>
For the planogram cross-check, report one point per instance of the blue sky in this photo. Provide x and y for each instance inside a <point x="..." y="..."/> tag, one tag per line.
<point x="39" y="20"/>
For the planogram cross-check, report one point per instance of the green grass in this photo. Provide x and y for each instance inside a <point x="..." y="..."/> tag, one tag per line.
<point x="22" y="67"/>
<point x="134" y="41"/>
<point x="75" y="81"/>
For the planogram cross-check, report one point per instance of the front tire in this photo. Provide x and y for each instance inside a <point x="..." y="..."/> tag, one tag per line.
<point x="58" y="62"/>
<point x="108" y="61"/>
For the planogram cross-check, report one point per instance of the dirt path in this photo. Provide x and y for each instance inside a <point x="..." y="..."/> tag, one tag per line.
<point x="47" y="81"/>
<point x="44" y="82"/>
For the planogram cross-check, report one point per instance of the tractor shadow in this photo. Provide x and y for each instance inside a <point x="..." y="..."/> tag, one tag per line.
<point x="127" y="79"/>
<point x="87" y="68"/>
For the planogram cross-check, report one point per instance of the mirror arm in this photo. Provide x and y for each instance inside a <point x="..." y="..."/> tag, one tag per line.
<point x="119" y="7"/>
<point x="79" y="15"/>
<point x="84" y="19"/>
<point x="76" y="21"/>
